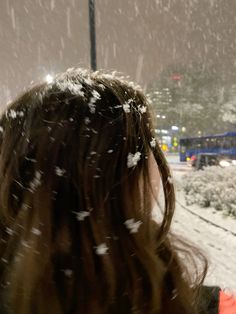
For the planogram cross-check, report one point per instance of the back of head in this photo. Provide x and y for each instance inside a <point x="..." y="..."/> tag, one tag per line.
<point x="75" y="202"/>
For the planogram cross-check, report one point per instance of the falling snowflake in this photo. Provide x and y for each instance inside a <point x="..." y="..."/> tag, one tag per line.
<point x="153" y="142"/>
<point x="133" y="159"/>
<point x="35" y="182"/>
<point x="132" y="225"/>
<point x="25" y="206"/>
<point x="9" y="231"/>
<point x="1" y="129"/>
<point x="110" y="151"/>
<point x="170" y="180"/>
<point x="60" y="172"/>
<point x="36" y="231"/>
<point x="25" y="244"/>
<point x="31" y="159"/>
<point x="174" y="294"/>
<point x="101" y="249"/>
<point x="4" y="260"/>
<point x="82" y="215"/>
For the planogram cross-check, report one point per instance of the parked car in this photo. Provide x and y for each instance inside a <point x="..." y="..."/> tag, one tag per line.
<point x="203" y="160"/>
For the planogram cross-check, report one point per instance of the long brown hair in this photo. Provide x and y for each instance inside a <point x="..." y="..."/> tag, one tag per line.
<point x="77" y="235"/>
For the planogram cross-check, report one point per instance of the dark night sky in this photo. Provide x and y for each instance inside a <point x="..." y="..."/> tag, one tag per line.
<point x="140" y="38"/>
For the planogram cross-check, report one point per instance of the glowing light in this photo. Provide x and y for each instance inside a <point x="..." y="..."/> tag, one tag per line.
<point x="49" y="78"/>
<point x="174" y="128"/>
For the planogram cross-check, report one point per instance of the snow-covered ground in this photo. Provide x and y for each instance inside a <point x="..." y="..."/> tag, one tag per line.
<point x="213" y="232"/>
<point x="210" y="230"/>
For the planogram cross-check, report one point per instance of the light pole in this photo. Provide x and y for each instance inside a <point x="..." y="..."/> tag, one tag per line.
<point x="92" y="31"/>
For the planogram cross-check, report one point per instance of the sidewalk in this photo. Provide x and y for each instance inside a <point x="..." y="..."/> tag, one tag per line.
<point x="219" y="245"/>
<point x="215" y="217"/>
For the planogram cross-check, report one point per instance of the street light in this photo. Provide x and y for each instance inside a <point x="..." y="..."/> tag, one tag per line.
<point x="49" y="78"/>
<point x="92" y="31"/>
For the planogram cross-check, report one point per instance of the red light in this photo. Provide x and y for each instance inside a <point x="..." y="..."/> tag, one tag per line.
<point x="176" y="77"/>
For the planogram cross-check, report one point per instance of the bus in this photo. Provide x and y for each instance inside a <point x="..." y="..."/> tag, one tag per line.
<point x="223" y="144"/>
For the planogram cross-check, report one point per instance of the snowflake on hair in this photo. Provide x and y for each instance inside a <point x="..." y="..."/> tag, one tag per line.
<point x="74" y="87"/>
<point x="87" y="120"/>
<point x="60" y="172"/>
<point x="101" y="249"/>
<point x="170" y="180"/>
<point x="142" y="109"/>
<point x="132" y="225"/>
<point x="14" y="114"/>
<point x="126" y="106"/>
<point x="153" y="142"/>
<point x="82" y="215"/>
<point x="95" y="96"/>
<point x="133" y="159"/>
<point x="68" y="272"/>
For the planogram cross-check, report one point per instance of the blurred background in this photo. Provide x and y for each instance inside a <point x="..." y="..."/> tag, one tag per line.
<point x="181" y="51"/>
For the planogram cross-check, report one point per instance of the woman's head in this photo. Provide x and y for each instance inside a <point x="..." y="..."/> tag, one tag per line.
<point x="76" y="199"/>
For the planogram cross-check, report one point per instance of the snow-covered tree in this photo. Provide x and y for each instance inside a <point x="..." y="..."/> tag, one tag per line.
<point x="228" y="109"/>
<point x="192" y="97"/>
